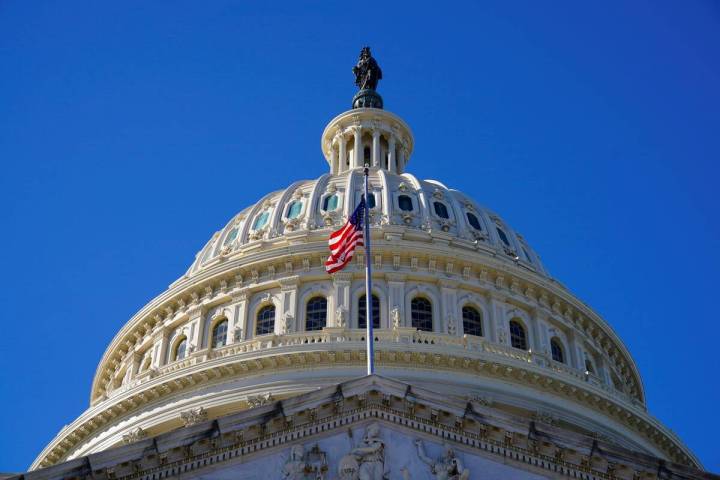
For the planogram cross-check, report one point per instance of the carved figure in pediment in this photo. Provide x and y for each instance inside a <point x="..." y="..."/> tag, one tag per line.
<point x="370" y="455"/>
<point x="295" y="467"/>
<point x="447" y="467"/>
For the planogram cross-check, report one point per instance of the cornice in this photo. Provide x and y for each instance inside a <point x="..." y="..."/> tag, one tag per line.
<point x="290" y="353"/>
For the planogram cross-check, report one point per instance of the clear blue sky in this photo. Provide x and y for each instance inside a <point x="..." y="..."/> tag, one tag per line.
<point x="131" y="131"/>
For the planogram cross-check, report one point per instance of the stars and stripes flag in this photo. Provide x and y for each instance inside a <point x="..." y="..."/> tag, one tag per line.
<point x="343" y="241"/>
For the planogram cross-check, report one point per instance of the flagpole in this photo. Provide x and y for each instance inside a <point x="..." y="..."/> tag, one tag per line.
<point x="369" y="337"/>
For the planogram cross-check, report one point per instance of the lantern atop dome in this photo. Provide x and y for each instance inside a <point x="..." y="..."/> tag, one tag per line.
<point x="367" y="134"/>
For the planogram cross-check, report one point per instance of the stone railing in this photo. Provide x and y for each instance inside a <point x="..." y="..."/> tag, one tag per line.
<point x="329" y="338"/>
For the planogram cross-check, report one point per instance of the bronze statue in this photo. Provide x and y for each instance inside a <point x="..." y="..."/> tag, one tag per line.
<point x="367" y="71"/>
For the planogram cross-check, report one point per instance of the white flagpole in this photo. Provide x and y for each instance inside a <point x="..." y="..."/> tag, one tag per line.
<point x="368" y="284"/>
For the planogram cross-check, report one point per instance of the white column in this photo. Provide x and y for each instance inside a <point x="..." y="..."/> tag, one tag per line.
<point x="341" y="286"/>
<point x="358" y="148"/>
<point x="448" y="308"/>
<point x="376" y="148"/>
<point x="401" y="159"/>
<point x="334" y="164"/>
<point x="498" y="331"/>
<point x="391" y="154"/>
<point x="342" y="149"/>
<point x="287" y="323"/>
<point x="237" y="323"/>
<point x="396" y="298"/>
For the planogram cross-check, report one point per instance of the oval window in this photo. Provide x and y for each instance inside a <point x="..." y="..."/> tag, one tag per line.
<point x="330" y="203"/>
<point x="261" y="220"/>
<point x="441" y="210"/>
<point x="405" y="203"/>
<point x="503" y="237"/>
<point x="294" y="210"/>
<point x="231" y="236"/>
<point x="473" y="221"/>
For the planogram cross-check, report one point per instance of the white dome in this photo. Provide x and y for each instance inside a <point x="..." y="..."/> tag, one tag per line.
<point x="464" y="305"/>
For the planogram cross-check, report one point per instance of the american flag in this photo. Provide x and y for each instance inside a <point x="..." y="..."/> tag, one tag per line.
<point x="343" y="241"/>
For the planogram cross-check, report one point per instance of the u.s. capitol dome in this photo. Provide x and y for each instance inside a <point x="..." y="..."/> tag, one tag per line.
<point x="463" y="306"/>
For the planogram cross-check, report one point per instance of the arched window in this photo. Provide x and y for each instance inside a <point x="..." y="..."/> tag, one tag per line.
<point x="441" y="210"/>
<point x="219" y="334"/>
<point x="261" y="220"/>
<point x="366" y="155"/>
<point x="518" y="338"/>
<point x="589" y="367"/>
<point x="265" y="320"/>
<point x="503" y="236"/>
<point x="316" y="314"/>
<point x="472" y="321"/>
<point x="294" y="209"/>
<point x="557" y="350"/>
<point x="421" y="314"/>
<point x="180" y="349"/>
<point x="405" y="203"/>
<point x="362" y="311"/>
<point x="231" y="236"/>
<point x="330" y="203"/>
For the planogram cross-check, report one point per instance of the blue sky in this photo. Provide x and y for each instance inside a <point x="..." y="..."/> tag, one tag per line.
<point x="131" y="131"/>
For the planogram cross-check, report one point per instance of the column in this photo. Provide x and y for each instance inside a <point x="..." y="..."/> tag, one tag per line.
<point x="539" y="342"/>
<point x="376" y="148"/>
<point x="197" y="321"/>
<point x="334" y="163"/>
<point x="401" y="159"/>
<point x="391" y="154"/>
<point x="448" y="308"/>
<point x="574" y="357"/>
<point x="287" y="323"/>
<point x="498" y="331"/>
<point x="342" y="153"/>
<point x="237" y="323"/>
<point x="396" y="299"/>
<point x="358" y="148"/>
<point x="160" y="348"/>
<point x="341" y="287"/>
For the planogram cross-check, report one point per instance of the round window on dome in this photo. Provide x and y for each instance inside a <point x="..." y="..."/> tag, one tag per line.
<point x="441" y="210"/>
<point x="294" y="210"/>
<point x="405" y="203"/>
<point x="231" y="236"/>
<point x="261" y="220"/>
<point x="330" y="203"/>
<point x="503" y="236"/>
<point x="473" y="221"/>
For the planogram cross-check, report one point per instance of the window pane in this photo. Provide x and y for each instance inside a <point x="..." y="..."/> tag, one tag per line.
<point x="441" y="210"/>
<point x="362" y="312"/>
<point x="405" y="203"/>
<point x="316" y="314"/>
<point x="330" y="203"/>
<point x="557" y="352"/>
<point x="180" y="350"/>
<point x="265" y="320"/>
<point x="421" y="314"/>
<point x="503" y="237"/>
<point x="472" y="321"/>
<point x="261" y="220"/>
<point x="294" y="210"/>
<point x="231" y="236"/>
<point x="517" y="336"/>
<point x="473" y="221"/>
<point x="219" y="334"/>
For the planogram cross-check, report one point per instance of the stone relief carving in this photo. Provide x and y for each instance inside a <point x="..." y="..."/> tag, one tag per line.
<point x="367" y="460"/>
<point x="194" y="416"/>
<point x="305" y="466"/>
<point x="134" y="435"/>
<point x="287" y="324"/>
<point x="260" y="400"/>
<point x="340" y="319"/>
<point x="395" y="317"/>
<point x="447" y="467"/>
